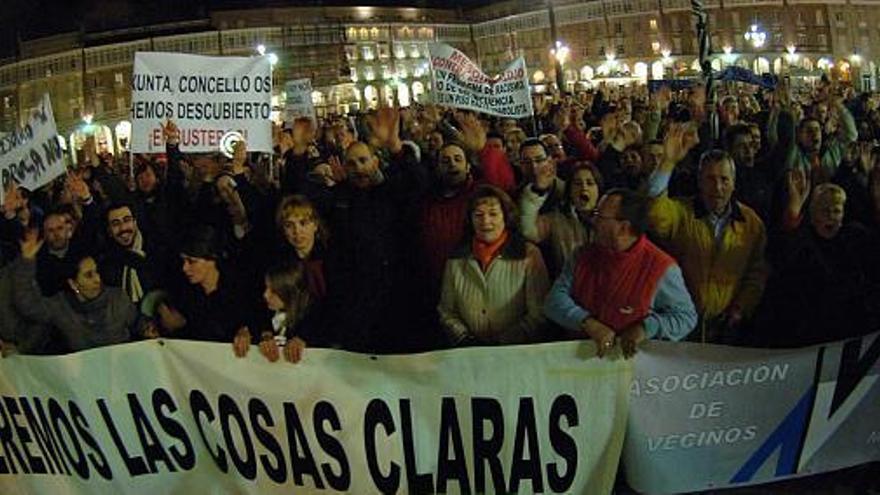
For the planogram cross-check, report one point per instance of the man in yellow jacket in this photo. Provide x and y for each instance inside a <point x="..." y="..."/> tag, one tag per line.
<point x="718" y="241"/>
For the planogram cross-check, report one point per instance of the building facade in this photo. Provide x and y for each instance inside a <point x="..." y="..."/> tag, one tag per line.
<point x="359" y="56"/>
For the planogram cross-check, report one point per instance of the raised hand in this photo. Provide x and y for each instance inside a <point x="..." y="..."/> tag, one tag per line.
<point x="12" y="201"/>
<point x="798" y="187"/>
<point x="680" y="139"/>
<point x="385" y="128"/>
<point x="471" y="133"/>
<point x="239" y="156"/>
<point x="170" y="132"/>
<point x="77" y="186"/>
<point x="31" y="244"/>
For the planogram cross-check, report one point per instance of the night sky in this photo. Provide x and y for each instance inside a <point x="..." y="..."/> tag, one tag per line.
<point x="29" y="19"/>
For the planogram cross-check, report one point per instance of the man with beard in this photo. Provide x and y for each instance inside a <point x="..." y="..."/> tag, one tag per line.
<point x="622" y="288"/>
<point x="442" y="218"/>
<point x="820" y="156"/>
<point x="373" y="222"/>
<point x="718" y="240"/>
<point x="130" y="261"/>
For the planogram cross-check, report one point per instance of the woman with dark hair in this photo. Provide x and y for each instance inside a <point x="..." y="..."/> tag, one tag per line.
<point x="218" y="299"/>
<point x="494" y="284"/>
<point x="568" y="227"/>
<point x="88" y="314"/>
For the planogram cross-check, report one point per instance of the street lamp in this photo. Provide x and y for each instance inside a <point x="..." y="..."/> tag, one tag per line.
<point x="273" y="59"/>
<point x="560" y="54"/>
<point x="755" y="36"/>
<point x="261" y="49"/>
<point x="87" y="118"/>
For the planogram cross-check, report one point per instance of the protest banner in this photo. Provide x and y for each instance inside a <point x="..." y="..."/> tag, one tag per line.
<point x="206" y="97"/>
<point x="458" y="82"/>
<point x="31" y="156"/>
<point x="299" y="100"/>
<point x="708" y="417"/>
<point x="178" y="417"/>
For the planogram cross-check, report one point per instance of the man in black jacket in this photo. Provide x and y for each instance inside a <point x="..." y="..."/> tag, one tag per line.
<point x="131" y="261"/>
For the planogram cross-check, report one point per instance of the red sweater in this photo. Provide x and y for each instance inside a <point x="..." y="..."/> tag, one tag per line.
<point x="442" y="228"/>
<point x="496" y="169"/>
<point x="617" y="287"/>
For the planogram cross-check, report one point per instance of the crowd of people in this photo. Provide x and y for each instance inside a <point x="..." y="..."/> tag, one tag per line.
<point x="613" y="215"/>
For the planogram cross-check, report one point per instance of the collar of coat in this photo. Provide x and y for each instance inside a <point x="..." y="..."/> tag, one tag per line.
<point x="514" y="249"/>
<point x="700" y="210"/>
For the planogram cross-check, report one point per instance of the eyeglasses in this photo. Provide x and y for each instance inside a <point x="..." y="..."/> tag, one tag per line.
<point x="533" y="161"/>
<point x="596" y="216"/>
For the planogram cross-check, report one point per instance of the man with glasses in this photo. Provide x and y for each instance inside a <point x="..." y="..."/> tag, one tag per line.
<point x="130" y="262"/>
<point x="718" y="241"/>
<point x="540" y="170"/>
<point x="622" y="288"/>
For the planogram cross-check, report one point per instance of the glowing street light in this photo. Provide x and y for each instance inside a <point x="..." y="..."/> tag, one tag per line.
<point x="273" y="59"/>
<point x="87" y="118"/>
<point x="791" y="56"/>
<point x="261" y="49"/>
<point x="756" y="37"/>
<point x="855" y="58"/>
<point x="561" y="52"/>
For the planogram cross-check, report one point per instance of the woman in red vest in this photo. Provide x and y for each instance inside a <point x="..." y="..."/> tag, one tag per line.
<point x="622" y="288"/>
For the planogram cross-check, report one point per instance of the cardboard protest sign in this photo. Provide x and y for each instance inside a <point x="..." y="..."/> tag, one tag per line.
<point x="299" y="100"/>
<point x="206" y="97"/>
<point x="458" y="82"/>
<point x="31" y="156"/>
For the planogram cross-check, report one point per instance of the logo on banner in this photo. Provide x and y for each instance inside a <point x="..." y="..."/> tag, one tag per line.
<point x="823" y="408"/>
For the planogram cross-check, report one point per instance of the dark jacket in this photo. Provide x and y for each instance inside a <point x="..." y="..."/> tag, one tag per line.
<point x="374" y="236"/>
<point x="821" y="289"/>
<point x="106" y="320"/>
<point x="216" y="317"/>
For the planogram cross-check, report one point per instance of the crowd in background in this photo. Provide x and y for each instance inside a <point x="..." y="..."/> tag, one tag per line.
<point x="613" y="215"/>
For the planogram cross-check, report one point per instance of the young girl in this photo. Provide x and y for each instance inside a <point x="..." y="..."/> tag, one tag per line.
<point x="293" y="322"/>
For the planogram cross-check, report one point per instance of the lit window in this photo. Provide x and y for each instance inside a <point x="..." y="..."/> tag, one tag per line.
<point x="653" y="24"/>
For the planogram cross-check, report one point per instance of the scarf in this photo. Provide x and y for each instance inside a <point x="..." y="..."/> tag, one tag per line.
<point x="486" y="252"/>
<point x="131" y="283"/>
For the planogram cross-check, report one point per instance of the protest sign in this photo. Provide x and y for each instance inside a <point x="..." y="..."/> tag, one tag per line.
<point x="299" y="100"/>
<point x="205" y="96"/>
<point x="182" y="416"/>
<point x="708" y="417"/>
<point x="31" y="156"/>
<point x="458" y="82"/>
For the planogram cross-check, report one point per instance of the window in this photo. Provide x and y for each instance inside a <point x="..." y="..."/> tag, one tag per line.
<point x="353" y="72"/>
<point x="118" y="78"/>
<point x="823" y="40"/>
<point x="820" y="18"/>
<point x="655" y="46"/>
<point x="618" y="27"/>
<point x="367" y="50"/>
<point x="653" y="24"/>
